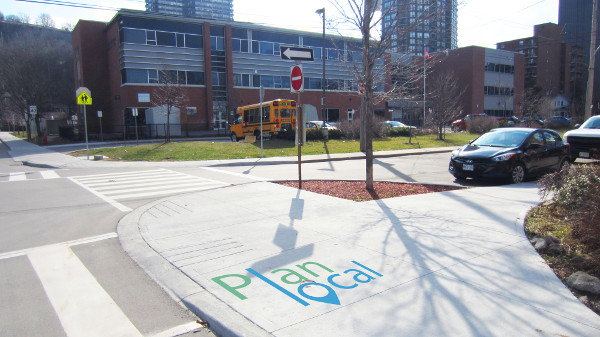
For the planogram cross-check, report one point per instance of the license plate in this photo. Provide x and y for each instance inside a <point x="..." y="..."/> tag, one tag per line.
<point x="468" y="167"/>
<point x="584" y="154"/>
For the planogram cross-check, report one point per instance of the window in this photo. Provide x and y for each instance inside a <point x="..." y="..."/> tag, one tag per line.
<point x="191" y="110"/>
<point x="151" y="37"/>
<point x="193" y="41"/>
<point x="166" y="39"/>
<point x="195" y="78"/>
<point x="217" y="43"/>
<point x="134" y="36"/>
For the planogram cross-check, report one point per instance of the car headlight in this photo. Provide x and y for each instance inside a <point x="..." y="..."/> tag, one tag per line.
<point x="503" y="157"/>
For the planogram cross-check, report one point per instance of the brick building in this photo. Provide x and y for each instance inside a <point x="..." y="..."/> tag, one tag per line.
<point x="492" y="81"/>
<point x="222" y="64"/>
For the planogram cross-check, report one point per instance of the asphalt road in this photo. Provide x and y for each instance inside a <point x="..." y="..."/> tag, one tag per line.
<point x="43" y="214"/>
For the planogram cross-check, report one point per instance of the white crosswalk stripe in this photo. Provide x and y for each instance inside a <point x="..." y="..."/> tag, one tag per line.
<point x="36" y="175"/>
<point x="114" y="187"/>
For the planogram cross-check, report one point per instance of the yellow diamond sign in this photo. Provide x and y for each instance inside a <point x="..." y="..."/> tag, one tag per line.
<point x="84" y="96"/>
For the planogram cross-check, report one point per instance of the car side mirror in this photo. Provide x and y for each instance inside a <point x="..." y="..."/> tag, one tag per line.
<point x="576" y="126"/>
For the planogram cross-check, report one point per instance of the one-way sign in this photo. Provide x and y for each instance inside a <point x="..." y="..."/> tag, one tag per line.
<point x="296" y="53"/>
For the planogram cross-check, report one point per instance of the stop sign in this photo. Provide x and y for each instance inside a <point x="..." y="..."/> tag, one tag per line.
<point x="297" y="79"/>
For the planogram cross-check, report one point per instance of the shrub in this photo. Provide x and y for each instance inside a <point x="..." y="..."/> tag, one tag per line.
<point x="481" y="125"/>
<point x="350" y="129"/>
<point x="399" y="132"/>
<point x="575" y="189"/>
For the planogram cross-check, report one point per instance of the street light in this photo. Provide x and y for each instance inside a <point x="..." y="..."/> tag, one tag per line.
<point x="322" y="13"/>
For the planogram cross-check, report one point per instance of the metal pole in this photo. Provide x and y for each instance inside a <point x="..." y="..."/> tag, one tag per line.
<point x="87" y="146"/>
<point x="262" y="94"/>
<point x="324" y="84"/>
<point x="135" y="113"/>
<point x="299" y="130"/>
<point x="424" y="84"/>
<point x="100" y="121"/>
<point x="589" y="96"/>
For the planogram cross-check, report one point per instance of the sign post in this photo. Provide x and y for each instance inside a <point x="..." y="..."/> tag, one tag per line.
<point x="100" y="121"/>
<point x="84" y="97"/>
<point x="261" y="114"/>
<point x="134" y="113"/>
<point x="297" y="86"/>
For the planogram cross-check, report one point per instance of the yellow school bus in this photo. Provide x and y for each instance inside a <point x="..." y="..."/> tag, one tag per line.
<point x="277" y="116"/>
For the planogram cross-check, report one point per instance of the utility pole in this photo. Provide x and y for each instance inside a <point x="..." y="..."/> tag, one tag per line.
<point x="592" y="64"/>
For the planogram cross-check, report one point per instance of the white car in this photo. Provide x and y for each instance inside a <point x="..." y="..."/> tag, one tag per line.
<point x="585" y="140"/>
<point x="396" y="124"/>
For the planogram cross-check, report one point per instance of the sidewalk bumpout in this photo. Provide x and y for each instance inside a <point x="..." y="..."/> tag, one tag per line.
<point x="262" y="259"/>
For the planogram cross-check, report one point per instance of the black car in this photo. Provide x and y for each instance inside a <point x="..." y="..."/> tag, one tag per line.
<point x="510" y="153"/>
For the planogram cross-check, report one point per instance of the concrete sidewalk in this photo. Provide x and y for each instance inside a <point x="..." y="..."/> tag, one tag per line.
<point x="261" y="259"/>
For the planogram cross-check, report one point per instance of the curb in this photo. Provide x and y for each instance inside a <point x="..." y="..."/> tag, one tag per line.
<point x="222" y="319"/>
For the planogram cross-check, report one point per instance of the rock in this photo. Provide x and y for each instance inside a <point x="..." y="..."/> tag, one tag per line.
<point x="539" y="244"/>
<point x="584" y="282"/>
<point x="550" y="239"/>
<point x="556" y="249"/>
<point x="585" y="300"/>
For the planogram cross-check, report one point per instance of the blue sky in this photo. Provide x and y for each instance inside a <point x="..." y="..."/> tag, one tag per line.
<point x="480" y="22"/>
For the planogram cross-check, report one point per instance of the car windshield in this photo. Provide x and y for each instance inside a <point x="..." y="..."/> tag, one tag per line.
<point x="509" y="138"/>
<point x="592" y="123"/>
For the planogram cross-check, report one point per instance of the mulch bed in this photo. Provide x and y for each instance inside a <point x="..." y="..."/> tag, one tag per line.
<point x="357" y="190"/>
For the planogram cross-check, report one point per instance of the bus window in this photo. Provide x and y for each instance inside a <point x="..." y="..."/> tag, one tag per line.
<point x="238" y="120"/>
<point x="246" y="116"/>
<point x="266" y="113"/>
<point x="254" y="115"/>
<point x="285" y="113"/>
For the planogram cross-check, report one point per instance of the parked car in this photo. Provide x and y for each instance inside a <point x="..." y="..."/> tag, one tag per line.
<point x="461" y="124"/>
<point x="318" y="125"/>
<point x="530" y="121"/>
<point x="558" y="122"/>
<point x="585" y="140"/>
<point x="396" y="124"/>
<point x="512" y="154"/>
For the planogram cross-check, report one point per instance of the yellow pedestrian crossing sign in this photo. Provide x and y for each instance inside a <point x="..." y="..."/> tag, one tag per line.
<point x="84" y="96"/>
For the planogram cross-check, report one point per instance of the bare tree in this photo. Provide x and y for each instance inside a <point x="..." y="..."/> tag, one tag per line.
<point x="169" y="94"/>
<point x="371" y="72"/>
<point x="45" y="20"/>
<point x="36" y="69"/>
<point x="444" y="94"/>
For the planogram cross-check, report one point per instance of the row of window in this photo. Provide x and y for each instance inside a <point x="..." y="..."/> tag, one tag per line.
<point x="499" y="68"/>
<point x="149" y="76"/>
<point x="273" y="48"/>
<point x="310" y="83"/>
<point x="159" y="38"/>
<point x="498" y="91"/>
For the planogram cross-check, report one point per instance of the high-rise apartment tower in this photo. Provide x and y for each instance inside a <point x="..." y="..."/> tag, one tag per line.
<point x="418" y="25"/>
<point x="208" y="9"/>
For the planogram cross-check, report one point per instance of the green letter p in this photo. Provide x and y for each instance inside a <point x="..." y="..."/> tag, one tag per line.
<point x="233" y="288"/>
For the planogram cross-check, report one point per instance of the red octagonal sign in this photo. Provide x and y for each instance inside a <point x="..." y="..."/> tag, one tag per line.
<point x="297" y="79"/>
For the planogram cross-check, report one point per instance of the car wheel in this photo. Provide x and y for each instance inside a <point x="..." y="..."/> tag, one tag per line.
<point x="234" y="137"/>
<point x="517" y="174"/>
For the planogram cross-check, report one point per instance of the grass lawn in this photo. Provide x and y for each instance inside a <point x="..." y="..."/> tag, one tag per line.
<point x="176" y="151"/>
